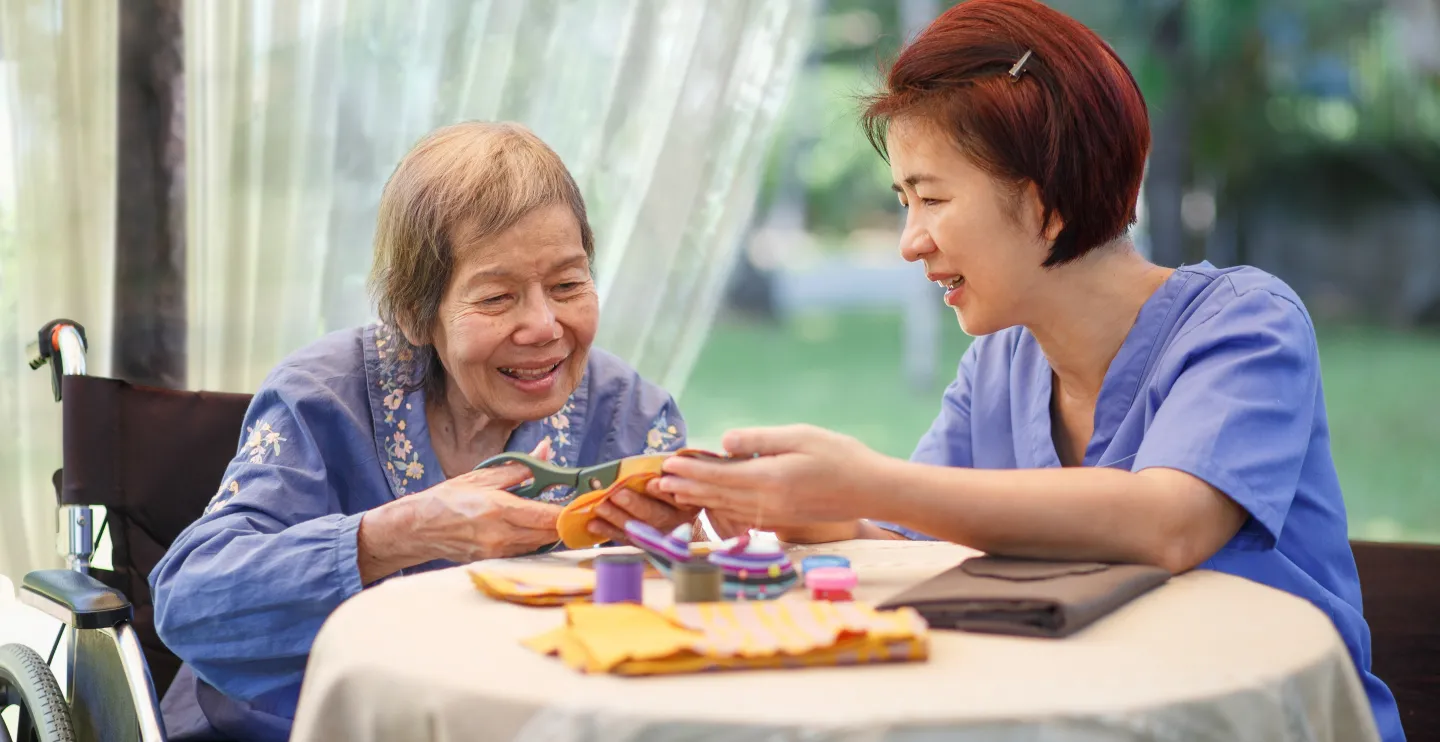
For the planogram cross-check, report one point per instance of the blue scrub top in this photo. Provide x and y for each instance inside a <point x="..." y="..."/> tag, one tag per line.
<point x="1220" y="378"/>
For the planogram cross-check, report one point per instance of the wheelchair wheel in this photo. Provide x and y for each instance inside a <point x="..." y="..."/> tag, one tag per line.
<point x="26" y="681"/>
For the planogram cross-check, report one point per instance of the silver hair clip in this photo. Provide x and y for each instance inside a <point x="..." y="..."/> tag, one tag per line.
<point x="1019" y="66"/>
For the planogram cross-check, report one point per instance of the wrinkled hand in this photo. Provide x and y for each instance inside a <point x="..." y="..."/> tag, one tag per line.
<point x="654" y="507"/>
<point x="805" y="477"/>
<point x="472" y="517"/>
<point x="463" y="519"/>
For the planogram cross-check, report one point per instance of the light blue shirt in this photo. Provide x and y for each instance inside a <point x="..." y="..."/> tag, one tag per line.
<point x="336" y="429"/>
<point x="1220" y="378"/>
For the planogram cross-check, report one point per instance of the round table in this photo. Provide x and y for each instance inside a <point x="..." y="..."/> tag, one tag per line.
<point x="1206" y="656"/>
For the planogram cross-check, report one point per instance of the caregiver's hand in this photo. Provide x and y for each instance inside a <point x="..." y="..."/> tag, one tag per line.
<point x="463" y="519"/>
<point x="805" y="476"/>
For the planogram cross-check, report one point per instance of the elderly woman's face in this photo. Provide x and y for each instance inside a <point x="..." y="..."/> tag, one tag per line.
<point x="517" y="320"/>
<point x="981" y="242"/>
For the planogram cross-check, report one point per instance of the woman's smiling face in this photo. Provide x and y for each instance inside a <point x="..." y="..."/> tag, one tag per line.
<point x="516" y="322"/>
<point x="978" y="237"/>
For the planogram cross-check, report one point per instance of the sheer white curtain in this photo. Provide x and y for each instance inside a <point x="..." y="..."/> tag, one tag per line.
<point x="57" y="194"/>
<point x="298" y="110"/>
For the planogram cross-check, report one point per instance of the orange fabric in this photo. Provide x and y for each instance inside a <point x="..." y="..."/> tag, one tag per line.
<point x="574" y="521"/>
<point x="538" y="586"/>
<point x="635" y="473"/>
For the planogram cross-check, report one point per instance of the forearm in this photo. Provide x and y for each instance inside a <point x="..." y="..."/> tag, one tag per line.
<point x="386" y="542"/>
<point x="1074" y="513"/>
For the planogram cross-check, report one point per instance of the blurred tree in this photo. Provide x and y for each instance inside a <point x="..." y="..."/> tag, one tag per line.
<point x="1231" y="85"/>
<point x="1240" y="90"/>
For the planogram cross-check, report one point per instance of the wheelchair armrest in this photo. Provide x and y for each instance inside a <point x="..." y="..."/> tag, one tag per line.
<point x="78" y="599"/>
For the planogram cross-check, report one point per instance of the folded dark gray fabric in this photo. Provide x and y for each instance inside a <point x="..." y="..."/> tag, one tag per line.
<point x="1026" y="597"/>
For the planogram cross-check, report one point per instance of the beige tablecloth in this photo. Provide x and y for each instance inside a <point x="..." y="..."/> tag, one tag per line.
<point x="1206" y="657"/>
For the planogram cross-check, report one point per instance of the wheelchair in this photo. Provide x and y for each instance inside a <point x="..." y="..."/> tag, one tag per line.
<point x="152" y="458"/>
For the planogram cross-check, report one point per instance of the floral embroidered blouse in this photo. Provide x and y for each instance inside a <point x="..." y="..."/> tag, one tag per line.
<point x="336" y="429"/>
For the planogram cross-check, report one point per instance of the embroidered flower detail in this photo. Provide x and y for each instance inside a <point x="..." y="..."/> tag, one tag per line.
<point x="402" y="447"/>
<point x="263" y="439"/>
<point x="398" y="375"/>
<point x="222" y="497"/>
<point x="557" y="427"/>
<point x="662" y="436"/>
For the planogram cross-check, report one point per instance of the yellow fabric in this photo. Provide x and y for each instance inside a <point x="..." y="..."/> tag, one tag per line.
<point x="629" y="639"/>
<point x="535" y="585"/>
<point x="635" y="472"/>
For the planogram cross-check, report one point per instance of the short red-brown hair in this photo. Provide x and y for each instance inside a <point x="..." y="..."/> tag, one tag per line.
<point x="1073" y="122"/>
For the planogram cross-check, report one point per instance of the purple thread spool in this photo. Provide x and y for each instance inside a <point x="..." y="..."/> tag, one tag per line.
<point x="618" y="578"/>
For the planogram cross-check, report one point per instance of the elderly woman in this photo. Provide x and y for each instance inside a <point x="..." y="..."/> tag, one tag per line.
<point x="356" y="459"/>
<point x="1109" y="409"/>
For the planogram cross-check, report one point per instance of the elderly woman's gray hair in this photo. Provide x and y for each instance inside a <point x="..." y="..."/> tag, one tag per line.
<point x="479" y="177"/>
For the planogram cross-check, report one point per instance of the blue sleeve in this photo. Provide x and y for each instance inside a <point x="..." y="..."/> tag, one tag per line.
<point x="242" y="592"/>
<point x="947" y="442"/>
<point x="1240" y="414"/>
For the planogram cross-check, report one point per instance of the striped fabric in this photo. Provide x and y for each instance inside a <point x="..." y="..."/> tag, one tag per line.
<point x="628" y="639"/>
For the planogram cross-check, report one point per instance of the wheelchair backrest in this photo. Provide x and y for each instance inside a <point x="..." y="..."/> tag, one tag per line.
<point x="153" y="457"/>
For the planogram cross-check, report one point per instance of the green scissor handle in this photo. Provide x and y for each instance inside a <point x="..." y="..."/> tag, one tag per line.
<point x="545" y="475"/>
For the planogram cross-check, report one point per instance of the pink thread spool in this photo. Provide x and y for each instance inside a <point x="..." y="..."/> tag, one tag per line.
<point x="831" y="583"/>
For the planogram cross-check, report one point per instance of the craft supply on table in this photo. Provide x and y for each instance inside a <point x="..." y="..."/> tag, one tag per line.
<point x="823" y="560"/>
<point x="619" y="578"/>
<point x="750" y="570"/>
<point x="536" y="586"/>
<point x="1027" y="597"/>
<point x="697" y="581"/>
<point x="830" y="583"/>
<point x="630" y="639"/>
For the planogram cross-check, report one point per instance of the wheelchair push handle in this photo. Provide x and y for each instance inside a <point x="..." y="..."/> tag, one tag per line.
<point x="62" y="344"/>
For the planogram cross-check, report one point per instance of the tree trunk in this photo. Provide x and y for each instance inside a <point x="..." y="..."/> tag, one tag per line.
<point x="150" y="198"/>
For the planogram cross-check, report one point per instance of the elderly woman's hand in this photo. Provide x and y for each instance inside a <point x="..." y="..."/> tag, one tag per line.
<point x="655" y="507"/>
<point x="805" y="478"/>
<point x="471" y="516"/>
<point x="463" y="519"/>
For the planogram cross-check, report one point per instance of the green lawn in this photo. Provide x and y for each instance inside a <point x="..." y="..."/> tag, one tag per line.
<point x="843" y="372"/>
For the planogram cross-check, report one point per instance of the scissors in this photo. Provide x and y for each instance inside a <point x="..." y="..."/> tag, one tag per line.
<point x="583" y="479"/>
<point x="587" y="479"/>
